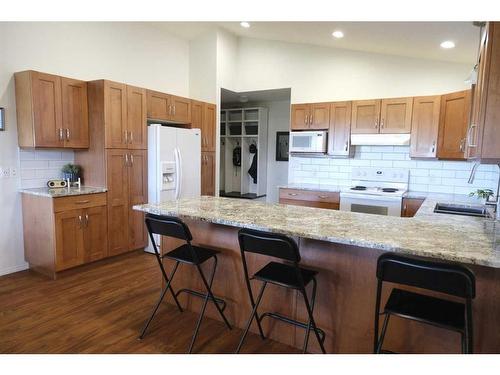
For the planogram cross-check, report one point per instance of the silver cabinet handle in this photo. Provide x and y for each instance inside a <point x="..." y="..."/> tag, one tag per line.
<point x="80" y="220"/>
<point x="311" y="119"/>
<point x="86" y="220"/>
<point x="82" y="202"/>
<point x="60" y="134"/>
<point x="433" y="148"/>
<point x="126" y="159"/>
<point x="322" y="196"/>
<point x="174" y="110"/>
<point x="131" y="137"/>
<point x="131" y="159"/>
<point x="126" y="136"/>
<point x="376" y="123"/>
<point x="382" y="123"/>
<point x="67" y="134"/>
<point x="306" y="119"/>
<point x="469" y="138"/>
<point x="346" y="146"/>
<point x="292" y="194"/>
<point x="462" y="144"/>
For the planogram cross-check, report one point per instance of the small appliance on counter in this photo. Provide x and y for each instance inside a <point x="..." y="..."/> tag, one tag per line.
<point x="375" y="191"/>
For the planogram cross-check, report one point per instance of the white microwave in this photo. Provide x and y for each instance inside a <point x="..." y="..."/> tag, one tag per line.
<point x="308" y="142"/>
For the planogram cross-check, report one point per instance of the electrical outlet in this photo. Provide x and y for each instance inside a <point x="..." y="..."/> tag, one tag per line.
<point x="13" y="172"/>
<point x="5" y="172"/>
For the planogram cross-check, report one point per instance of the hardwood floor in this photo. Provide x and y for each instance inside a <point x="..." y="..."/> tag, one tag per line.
<point x="101" y="308"/>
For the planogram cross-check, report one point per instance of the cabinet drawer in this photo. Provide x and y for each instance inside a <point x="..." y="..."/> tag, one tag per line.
<point x="304" y="196"/>
<point x="79" y="201"/>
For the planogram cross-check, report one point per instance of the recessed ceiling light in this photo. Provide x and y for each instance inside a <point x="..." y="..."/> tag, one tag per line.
<point x="447" y="44"/>
<point x="338" y="34"/>
<point x="245" y="24"/>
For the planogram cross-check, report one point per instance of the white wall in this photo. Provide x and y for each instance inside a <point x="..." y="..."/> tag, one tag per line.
<point x="433" y="176"/>
<point x="325" y="74"/>
<point x="133" y="53"/>
<point x="203" y="68"/>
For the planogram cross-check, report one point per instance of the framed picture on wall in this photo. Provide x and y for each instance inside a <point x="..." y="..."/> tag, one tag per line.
<point x="282" y="139"/>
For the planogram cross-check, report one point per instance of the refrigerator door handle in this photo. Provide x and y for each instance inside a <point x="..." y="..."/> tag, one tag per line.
<point x="179" y="174"/>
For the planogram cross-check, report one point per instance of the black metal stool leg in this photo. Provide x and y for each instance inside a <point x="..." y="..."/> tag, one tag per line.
<point x="308" y="329"/>
<point x="382" y="334"/>
<point x="311" y="319"/>
<point x="249" y="322"/>
<point x="166" y="278"/>
<point x="257" y="317"/>
<point x="209" y="291"/>
<point x="167" y="287"/>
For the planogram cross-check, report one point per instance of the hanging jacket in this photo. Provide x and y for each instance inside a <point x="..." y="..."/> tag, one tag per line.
<point x="237" y="156"/>
<point x="252" y="171"/>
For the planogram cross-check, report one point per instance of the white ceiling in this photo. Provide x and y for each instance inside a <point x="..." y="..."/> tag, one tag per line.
<point x="231" y="97"/>
<point x="412" y="39"/>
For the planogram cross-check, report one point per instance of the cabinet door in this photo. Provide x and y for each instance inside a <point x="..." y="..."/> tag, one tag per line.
<point x="117" y="162"/>
<point x="339" y="133"/>
<point x="75" y="113"/>
<point x="95" y="233"/>
<point x="158" y="105"/>
<point x="181" y="109"/>
<point x="209" y="118"/>
<point x="115" y="114"/>
<point x="410" y="206"/>
<point x="69" y="239"/>
<point x="365" y="116"/>
<point x="136" y="118"/>
<point x="453" y="123"/>
<point x="138" y="194"/>
<point x="300" y="117"/>
<point x="320" y="116"/>
<point x="425" y="126"/>
<point x="208" y="173"/>
<point x="395" y="115"/>
<point x="47" y="111"/>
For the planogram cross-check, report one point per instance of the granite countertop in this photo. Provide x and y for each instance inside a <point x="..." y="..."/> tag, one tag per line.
<point x="449" y="237"/>
<point x="313" y="187"/>
<point x="63" y="192"/>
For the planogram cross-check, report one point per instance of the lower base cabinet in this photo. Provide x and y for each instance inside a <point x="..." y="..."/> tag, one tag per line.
<point x="62" y="233"/>
<point x="310" y="198"/>
<point x="410" y="206"/>
<point x="208" y="173"/>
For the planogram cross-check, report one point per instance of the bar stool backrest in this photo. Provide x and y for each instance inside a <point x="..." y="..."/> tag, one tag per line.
<point x="270" y="244"/>
<point x="452" y="279"/>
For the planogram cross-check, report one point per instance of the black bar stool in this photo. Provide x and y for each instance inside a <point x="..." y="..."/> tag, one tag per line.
<point x="187" y="254"/>
<point x="452" y="279"/>
<point x="286" y="275"/>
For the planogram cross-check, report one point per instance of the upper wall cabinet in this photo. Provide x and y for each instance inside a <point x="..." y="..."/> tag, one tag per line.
<point x="203" y="117"/>
<point x="425" y="126"/>
<point x="339" y="133"/>
<point x="483" y="136"/>
<point x="365" y="116"/>
<point x="311" y="116"/>
<point x="167" y="107"/>
<point x="453" y="123"/>
<point x="52" y="111"/>
<point x="395" y="115"/>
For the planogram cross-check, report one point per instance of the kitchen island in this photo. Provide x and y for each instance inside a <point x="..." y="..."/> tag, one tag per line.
<point x="343" y="247"/>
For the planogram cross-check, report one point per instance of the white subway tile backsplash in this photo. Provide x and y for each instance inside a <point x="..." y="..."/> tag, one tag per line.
<point x="425" y="175"/>
<point x="36" y="167"/>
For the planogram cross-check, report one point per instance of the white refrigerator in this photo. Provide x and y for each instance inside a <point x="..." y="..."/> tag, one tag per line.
<point x="174" y="164"/>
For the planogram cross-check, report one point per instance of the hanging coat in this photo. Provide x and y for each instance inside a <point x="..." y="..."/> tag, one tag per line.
<point x="253" y="167"/>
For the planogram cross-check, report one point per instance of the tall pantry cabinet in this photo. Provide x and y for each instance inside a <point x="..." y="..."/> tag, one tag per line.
<point x="117" y="159"/>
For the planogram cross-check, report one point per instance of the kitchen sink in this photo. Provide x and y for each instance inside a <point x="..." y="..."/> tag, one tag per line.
<point x="460" y="209"/>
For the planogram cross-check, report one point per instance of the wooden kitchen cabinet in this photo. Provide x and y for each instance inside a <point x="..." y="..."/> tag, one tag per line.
<point x="310" y="198"/>
<point x="115" y="113"/>
<point x="64" y="232"/>
<point x="311" y="116"/>
<point x="136" y="118"/>
<point x="339" y="133"/>
<point x="138" y="194"/>
<point x="410" y="206"/>
<point x="165" y="107"/>
<point x="453" y="124"/>
<point x="483" y="135"/>
<point x="365" y="116"/>
<point x="203" y="117"/>
<point x="52" y="111"/>
<point x="395" y="115"/>
<point x="208" y="173"/>
<point x="425" y="126"/>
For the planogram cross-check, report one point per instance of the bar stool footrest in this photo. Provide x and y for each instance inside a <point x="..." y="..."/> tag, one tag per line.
<point x="202" y="295"/>
<point x="294" y="322"/>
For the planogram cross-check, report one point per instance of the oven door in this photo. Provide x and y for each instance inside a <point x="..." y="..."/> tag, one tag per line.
<point x="371" y="204"/>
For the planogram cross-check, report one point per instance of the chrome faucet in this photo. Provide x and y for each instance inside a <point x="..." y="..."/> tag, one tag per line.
<point x="494" y="204"/>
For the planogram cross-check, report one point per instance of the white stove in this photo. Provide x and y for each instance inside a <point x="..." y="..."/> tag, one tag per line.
<point x="375" y="191"/>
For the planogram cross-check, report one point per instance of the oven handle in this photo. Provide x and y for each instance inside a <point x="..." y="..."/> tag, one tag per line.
<point x="378" y="198"/>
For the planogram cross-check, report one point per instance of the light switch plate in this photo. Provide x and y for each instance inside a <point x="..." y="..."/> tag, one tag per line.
<point x="2" y="118"/>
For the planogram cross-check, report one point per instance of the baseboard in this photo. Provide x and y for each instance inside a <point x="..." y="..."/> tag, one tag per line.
<point x="20" y="267"/>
